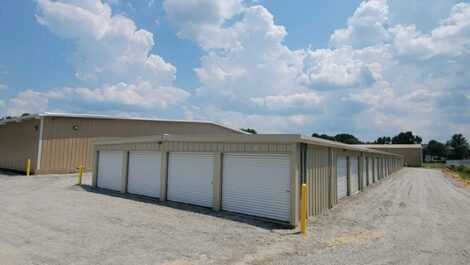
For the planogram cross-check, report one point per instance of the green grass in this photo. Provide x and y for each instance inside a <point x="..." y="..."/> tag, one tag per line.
<point x="434" y="165"/>
<point x="462" y="171"/>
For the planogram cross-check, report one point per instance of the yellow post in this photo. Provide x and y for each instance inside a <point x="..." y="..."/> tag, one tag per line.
<point x="303" y="210"/>
<point x="80" y="174"/>
<point x="28" y="167"/>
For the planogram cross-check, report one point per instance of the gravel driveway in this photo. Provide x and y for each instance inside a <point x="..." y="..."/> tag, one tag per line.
<point x="416" y="216"/>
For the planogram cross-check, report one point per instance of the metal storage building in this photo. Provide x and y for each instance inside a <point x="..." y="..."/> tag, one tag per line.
<point x="58" y="143"/>
<point x="258" y="175"/>
<point x="412" y="153"/>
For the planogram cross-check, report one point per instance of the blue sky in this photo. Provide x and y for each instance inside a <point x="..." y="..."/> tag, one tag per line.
<point x="370" y="68"/>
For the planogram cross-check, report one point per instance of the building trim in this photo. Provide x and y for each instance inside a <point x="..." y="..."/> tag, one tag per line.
<point x="242" y="138"/>
<point x="41" y="132"/>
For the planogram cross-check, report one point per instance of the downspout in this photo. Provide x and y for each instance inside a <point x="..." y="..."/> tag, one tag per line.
<point x="41" y="130"/>
<point x="303" y="163"/>
<point x="303" y="173"/>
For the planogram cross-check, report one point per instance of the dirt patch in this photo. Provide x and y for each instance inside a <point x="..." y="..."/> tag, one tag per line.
<point x="358" y="237"/>
<point x="454" y="175"/>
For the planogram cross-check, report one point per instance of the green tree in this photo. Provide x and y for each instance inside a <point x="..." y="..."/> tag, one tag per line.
<point x="435" y="148"/>
<point x="459" y="145"/>
<point x="324" y="136"/>
<point x="347" y="138"/>
<point x="341" y="137"/>
<point x="249" y="130"/>
<point x="383" y="140"/>
<point x="406" y="138"/>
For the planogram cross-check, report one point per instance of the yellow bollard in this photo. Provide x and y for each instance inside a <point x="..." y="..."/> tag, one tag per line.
<point x="28" y="167"/>
<point x="303" y="210"/>
<point x="80" y="174"/>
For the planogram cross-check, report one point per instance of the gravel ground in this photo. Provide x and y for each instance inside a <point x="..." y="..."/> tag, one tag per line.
<point x="416" y="216"/>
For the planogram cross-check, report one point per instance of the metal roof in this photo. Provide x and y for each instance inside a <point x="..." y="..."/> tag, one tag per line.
<point x="107" y="117"/>
<point x="390" y="145"/>
<point x="242" y="138"/>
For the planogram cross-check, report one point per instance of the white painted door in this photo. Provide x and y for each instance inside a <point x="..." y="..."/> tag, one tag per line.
<point x="364" y="173"/>
<point x="110" y="170"/>
<point x="257" y="184"/>
<point x="370" y="170"/>
<point x="144" y="173"/>
<point x="341" y="177"/>
<point x="354" y="174"/>
<point x="376" y="166"/>
<point x="190" y="177"/>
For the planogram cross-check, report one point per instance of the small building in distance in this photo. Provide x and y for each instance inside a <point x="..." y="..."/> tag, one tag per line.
<point x="412" y="153"/>
<point x="58" y="143"/>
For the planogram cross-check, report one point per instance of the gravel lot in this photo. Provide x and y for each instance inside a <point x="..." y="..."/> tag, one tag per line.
<point x="416" y="216"/>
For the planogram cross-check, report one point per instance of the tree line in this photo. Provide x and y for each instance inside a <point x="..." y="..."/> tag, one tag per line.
<point x="455" y="148"/>
<point x="401" y="138"/>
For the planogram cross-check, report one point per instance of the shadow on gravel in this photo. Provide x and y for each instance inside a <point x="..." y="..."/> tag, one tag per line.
<point x="250" y="220"/>
<point x="11" y="173"/>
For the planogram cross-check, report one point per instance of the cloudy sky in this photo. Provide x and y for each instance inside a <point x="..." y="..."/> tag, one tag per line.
<point x="370" y="68"/>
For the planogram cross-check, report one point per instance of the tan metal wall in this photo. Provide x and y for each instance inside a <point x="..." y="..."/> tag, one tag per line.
<point x="412" y="156"/>
<point x="321" y="177"/>
<point x="318" y="179"/>
<point x="18" y="142"/>
<point x="63" y="148"/>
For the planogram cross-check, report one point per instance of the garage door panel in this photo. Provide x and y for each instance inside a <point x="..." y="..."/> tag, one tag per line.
<point x="354" y="174"/>
<point x="377" y="166"/>
<point x="110" y="170"/>
<point x="341" y="175"/>
<point x="190" y="177"/>
<point x="370" y="171"/>
<point x="144" y="173"/>
<point x="364" y="173"/>
<point x="257" y="184"/>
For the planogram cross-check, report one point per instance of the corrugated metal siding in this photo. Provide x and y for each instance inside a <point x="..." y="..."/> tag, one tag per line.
<point x="412" y="156"/>
<point x="318" y="179"/>
<point x="18" y="142"/>
<point x="333" y="190"/>
<point x="200" y="147"/>
<point x="64" y="148"/>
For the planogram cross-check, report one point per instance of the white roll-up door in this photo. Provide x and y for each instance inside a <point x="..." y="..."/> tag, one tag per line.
<point x="110" y="170"/>
<point x="382" y="164"/>
<point x="341" y="176"/>
<point x="190" y="177"/>
<point x="257" y="184"/>
<point x="354" y="174"/>
<point x="376" y="166"/>
<point x="144" y="173"/>
<point x="364" y="173"/>
<point x="370" y="173"/>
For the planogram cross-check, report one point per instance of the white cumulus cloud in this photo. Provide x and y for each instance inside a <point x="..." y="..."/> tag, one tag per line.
<point x="112" y="57"/>
<point x="376" y="77"/>
<point x="367" y="27"/>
